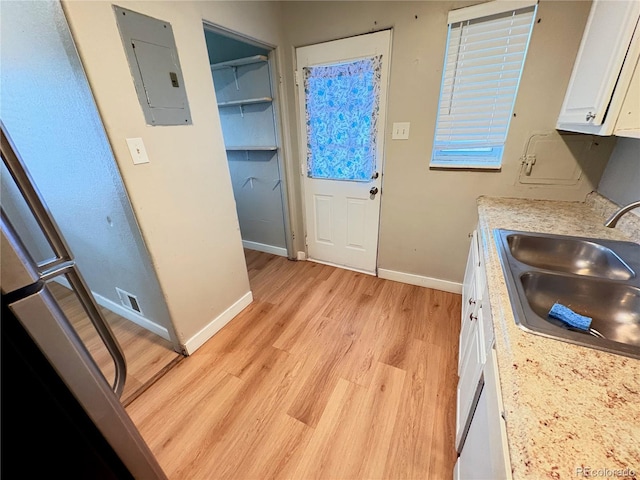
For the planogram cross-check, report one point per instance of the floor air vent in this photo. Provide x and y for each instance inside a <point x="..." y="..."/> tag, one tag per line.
<point x="129" y="300"/>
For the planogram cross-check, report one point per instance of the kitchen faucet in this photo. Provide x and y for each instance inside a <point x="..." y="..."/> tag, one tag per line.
<point x="613" y="219"/>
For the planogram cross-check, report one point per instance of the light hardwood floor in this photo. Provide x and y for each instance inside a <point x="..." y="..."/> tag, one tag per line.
<point x="148" y="356"/>
<point x="328" y="374"/>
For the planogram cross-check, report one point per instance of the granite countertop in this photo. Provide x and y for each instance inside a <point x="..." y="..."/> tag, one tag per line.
<point x="566" y="406"/>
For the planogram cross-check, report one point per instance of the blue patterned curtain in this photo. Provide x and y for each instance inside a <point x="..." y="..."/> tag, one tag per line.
<point x="342" y="105"/>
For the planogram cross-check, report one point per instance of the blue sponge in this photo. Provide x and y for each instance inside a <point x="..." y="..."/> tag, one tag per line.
<point x="570" y="317"/>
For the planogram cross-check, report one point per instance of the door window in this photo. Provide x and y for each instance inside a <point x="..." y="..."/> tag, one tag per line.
<point x="342" y="105"/>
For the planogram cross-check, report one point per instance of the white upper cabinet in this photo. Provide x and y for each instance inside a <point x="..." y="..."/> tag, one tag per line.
<point x="627" y="124"/>
<point x="603" y="70"/>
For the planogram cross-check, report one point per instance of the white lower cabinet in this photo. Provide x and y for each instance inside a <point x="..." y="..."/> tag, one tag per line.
<point x="471" y="355"/>
<point x="470" y="380"/>
<point x="473" y="462"/>
<point x="470" y="301"/>
<point x="481" y="436"/>
<point x="485" y="454"/>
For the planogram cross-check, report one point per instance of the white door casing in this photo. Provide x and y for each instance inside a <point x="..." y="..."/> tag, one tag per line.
<point x="342" y="217"/>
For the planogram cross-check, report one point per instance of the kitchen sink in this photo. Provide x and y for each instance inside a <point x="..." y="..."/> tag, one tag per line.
<point x="613" y="307"/>
<point x="571" y="255"/>
<point x="592" y="277"/>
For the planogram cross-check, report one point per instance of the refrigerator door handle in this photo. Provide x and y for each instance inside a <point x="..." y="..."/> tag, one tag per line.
<point x="64" y="263"/>
<point x="101" y="326"/>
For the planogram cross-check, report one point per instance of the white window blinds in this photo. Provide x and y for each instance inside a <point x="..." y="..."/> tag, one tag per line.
<point x="482" y="68"/>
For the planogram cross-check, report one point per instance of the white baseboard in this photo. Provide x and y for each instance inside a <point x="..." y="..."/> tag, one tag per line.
<point x="301" y="256"/>
<point x="216" y="324"/>
<point x="122" y="311"/>
<point x="132" y="316"/>
<point x="263" y="247"/>
<point x="419" y="280"/>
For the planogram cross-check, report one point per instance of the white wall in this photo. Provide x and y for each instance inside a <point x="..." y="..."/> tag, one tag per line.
<point x="427" y="214"/>
<point x="620" y="182"/>
<point x="182" y="199"/>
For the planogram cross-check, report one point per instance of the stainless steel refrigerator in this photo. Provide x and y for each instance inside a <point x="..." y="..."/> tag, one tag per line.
<point x="27" y="299"/>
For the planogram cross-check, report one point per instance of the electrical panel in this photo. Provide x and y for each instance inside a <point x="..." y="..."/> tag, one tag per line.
<point x="155" y="67"/>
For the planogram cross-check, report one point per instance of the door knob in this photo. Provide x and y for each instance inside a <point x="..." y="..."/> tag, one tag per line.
<point x="373" y="191"/>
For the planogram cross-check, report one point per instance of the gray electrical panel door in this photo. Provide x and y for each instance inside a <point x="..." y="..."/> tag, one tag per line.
<point x="155" y="67"/>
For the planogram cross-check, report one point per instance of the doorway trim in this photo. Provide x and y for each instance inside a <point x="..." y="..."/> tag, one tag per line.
<point x="280" y="116"/>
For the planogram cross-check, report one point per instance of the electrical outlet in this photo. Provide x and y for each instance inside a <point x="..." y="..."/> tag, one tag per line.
<point x="401" y="131"/>
<point x="137" y="150"/>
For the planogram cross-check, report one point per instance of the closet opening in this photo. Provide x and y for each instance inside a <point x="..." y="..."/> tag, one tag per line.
<point x="245" y="81"/>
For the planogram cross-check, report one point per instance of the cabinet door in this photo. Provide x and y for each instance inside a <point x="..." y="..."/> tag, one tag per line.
<point x="469" y="383"/>
<point x="470" y="302"/>
<point x="602" y="52"/>
<point x="487" y="318"/>
<point x="485" y="453"/>
<point x="497" y="434"/>
<point x="628" y="124"/>
<point x="469" y="314"/>
<point x="474" y="461"/>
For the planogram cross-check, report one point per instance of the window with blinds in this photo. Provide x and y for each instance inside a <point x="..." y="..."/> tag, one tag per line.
<point x="486" y="49"/>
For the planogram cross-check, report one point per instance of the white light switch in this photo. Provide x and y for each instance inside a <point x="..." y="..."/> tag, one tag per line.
<point x="137" y="150"/>
<point x="401" y="131"/>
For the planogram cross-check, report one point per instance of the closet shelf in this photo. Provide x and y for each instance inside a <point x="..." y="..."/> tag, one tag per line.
<point x="251" y="148"/>
<point x="246" y="101"/>
<point x="239" y="61"/>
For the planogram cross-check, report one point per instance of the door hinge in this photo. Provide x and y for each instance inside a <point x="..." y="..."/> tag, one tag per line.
<point x="296" y="76"/>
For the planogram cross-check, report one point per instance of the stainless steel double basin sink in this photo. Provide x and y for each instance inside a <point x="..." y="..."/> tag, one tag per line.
<point x="593" y="277"/>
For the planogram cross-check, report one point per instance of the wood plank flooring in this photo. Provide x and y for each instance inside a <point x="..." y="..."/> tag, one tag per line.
<point x="328" y="374"/>
<point x="148" y="356"/>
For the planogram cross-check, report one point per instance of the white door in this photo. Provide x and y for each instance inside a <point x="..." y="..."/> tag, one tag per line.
<point x="342" y="102"/>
